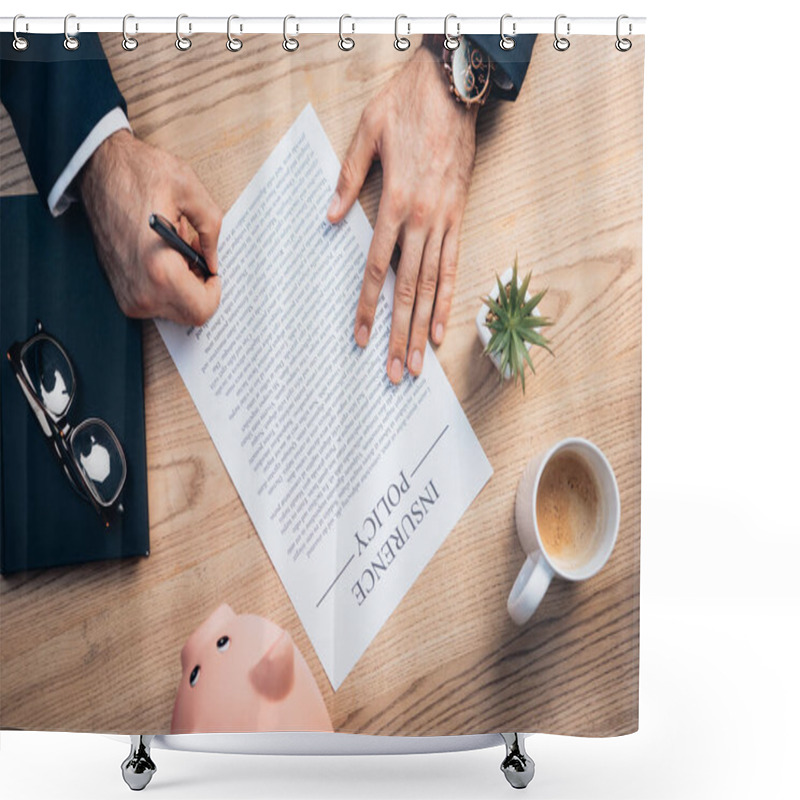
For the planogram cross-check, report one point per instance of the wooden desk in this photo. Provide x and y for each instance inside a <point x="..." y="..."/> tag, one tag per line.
<point x="558" y="180"/>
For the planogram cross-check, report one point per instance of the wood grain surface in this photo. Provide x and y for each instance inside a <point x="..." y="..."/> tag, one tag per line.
<point x="558" y="181"/>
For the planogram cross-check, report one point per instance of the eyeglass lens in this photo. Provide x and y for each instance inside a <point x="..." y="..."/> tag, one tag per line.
<point x="98" y="456"/>
<point x="50" y="374"/>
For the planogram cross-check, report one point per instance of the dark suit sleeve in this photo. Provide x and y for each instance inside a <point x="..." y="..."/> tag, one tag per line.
<point x="54" y="98"/>
<point x="513" y="63"/>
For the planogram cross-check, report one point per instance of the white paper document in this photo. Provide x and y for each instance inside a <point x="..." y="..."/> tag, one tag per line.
<point x="352" y="483"/>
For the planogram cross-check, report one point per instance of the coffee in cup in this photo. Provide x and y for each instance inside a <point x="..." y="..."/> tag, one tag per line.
<point x="567" y="512"/>
<point x="567" y="508"/>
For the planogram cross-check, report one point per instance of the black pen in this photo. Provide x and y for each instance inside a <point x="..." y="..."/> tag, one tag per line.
<point x="166" y="230"/>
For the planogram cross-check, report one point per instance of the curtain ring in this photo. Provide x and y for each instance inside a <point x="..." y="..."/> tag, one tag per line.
<point x="233" y="44"/>
<point x="181" y="42"/>
<point x="560" y="43"/>
<point x="70" y="42"/>
<point x="452" y="42"/>
<point x="289" y="43"/>
<point x="623" y="45"/>
<point x="507" y="42"/>
<point x="345" y="42"/>
<point x="128" y="42"/>
<point x="400" y="42"/>
<point x="20" y="42"/>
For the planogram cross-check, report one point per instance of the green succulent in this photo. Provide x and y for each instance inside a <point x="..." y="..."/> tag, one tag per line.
<point x="514" y="326"/>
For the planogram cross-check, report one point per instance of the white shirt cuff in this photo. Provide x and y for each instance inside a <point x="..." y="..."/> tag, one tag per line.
<point x="60" y="198"/>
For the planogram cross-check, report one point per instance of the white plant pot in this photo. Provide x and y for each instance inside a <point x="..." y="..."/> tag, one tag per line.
<point x="480" y="321"/>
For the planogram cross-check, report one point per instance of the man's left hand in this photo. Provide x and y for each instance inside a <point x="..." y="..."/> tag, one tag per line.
<point x="425" y="141"/>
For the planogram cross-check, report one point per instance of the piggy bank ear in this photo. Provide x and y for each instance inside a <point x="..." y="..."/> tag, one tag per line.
<point x="273" y="676"/>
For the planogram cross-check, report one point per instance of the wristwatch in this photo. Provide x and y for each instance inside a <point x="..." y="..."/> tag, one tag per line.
<point x="468" y="69"/>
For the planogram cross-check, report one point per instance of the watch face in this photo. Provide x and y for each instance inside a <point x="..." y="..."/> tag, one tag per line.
<point x="471" y="72"/>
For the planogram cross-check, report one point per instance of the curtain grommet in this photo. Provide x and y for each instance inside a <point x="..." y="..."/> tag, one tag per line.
<point x="290" y="44"/>
<point x="71" y="43"/>
<point x="561" y="43"/>
<point x="181" y="42"/>
<point x="401" y="43"/>
<point x="20" y="43"/>
<point x="128" y="42"/>
<point x="233" y="44"/>
<point x="452" y="42"/>
<point x="507" y="42"/>
<point x="346" y="43"/>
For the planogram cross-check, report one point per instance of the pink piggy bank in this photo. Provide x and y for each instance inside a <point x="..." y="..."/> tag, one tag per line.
<point x="243" y="673"/>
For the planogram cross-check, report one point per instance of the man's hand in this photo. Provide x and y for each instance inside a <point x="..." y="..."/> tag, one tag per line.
<point x="425" y="141"/>
<point x="123" y="182"/>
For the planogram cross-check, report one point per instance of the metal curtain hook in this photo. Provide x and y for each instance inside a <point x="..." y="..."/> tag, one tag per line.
<point x="70" y="42"/>
<point x="623" y="45"/>
<point x="128" y="42"/>
<point x="20" y="42"/>
<point x="452" y="42"/>
<point x="561" y="43"/>
<point x="507" y="42"/>
<point x="290" y="44"/>
<point x="400" y="42"/>
<point x="345" y="42"/>
<point x="181" y="42"/>
<point x="233" y="44"/>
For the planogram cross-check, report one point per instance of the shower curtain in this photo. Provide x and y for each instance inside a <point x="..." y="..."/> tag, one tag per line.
<point x="321" y="405"/>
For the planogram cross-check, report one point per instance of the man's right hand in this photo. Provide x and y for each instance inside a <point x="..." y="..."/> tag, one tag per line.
<point x="123" y="182"/>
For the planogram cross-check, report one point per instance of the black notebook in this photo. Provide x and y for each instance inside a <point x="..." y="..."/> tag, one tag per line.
<point x="49" y="273"/>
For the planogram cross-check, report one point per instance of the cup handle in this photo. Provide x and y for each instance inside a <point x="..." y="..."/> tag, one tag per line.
<point x="529" y="588"/>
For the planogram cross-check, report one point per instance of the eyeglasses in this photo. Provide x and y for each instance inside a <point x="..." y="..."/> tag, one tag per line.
<point x="90" y="453"/>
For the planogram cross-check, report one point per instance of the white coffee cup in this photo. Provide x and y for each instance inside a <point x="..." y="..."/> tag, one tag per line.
<point x="540" y="566"/>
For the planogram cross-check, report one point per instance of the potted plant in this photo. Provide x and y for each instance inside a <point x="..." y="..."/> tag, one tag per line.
<point x="509" y="326"/>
